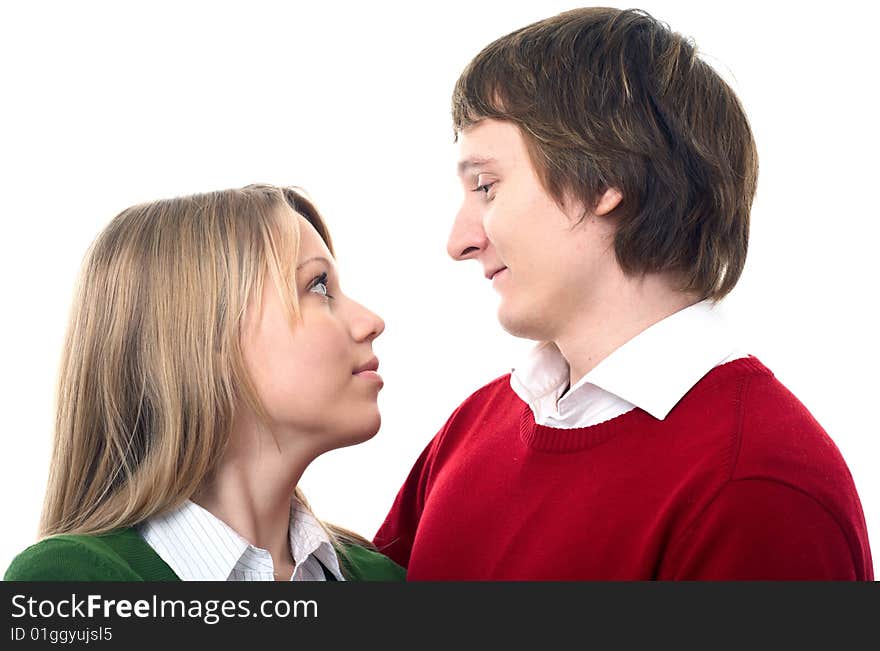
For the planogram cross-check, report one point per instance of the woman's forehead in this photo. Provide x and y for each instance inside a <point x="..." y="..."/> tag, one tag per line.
<point x="310" y="244"/>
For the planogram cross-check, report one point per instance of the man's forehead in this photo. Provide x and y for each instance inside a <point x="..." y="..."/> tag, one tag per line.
<point x="488" y="142"/>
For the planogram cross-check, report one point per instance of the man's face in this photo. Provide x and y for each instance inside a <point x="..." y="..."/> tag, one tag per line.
<point x="547" y="268"/>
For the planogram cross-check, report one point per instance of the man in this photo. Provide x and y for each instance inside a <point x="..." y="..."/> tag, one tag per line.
<point x="609" y="175"/>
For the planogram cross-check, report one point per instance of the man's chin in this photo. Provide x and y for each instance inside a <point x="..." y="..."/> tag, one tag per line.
<point x="518" y="325"/>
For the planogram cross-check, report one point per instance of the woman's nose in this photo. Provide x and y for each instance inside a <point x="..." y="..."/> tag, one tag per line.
<point x="367" y="325"/>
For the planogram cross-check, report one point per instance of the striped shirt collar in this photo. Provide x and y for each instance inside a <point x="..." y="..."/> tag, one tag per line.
<point x="199" y="546"/>
<point x="653" y="370"/>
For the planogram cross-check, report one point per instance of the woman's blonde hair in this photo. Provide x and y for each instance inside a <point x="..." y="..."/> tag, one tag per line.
<point x="152" y="367"/>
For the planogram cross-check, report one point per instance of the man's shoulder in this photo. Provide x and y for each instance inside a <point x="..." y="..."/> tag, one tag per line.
<point x="763" y="429"/>
<point x="494" y="400"/>
<point x="780" y="440"/>
<point x="773" y="417"/>
<point x="750" y="392"/>
<point x="496" y="396"/>
<point x="497" y="389"/>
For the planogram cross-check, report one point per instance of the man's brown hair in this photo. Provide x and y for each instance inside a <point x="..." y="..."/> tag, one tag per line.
<point x="614" y="99"/>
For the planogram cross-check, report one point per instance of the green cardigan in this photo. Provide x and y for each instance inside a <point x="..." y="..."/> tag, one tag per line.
<point x="123" y="555"/>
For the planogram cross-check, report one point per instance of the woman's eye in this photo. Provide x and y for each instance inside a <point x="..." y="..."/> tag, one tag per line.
<point x="319" y="288"/>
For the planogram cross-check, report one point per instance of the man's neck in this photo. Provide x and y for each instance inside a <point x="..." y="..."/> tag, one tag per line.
<point x="626" y="310"/>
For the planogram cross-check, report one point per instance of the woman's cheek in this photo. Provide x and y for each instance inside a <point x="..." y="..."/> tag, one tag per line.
<point x="324" y="355"/>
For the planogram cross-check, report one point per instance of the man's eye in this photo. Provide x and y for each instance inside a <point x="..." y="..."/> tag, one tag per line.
<point x="484" y="188"/>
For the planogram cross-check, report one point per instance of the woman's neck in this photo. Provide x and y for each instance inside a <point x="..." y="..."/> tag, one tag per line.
<point x="252" y="488"/>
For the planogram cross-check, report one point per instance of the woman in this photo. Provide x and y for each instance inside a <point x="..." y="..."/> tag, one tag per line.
<point x="211" y="356"/>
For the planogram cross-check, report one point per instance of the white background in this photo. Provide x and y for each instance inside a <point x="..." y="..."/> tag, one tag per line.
<point x="106" y="105"/>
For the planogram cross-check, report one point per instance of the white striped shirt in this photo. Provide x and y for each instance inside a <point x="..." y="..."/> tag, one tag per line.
<point x="652" y="371"/>
<point x="199" y="546"/>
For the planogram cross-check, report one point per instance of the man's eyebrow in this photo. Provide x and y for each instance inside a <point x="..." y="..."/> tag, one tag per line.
<point x="468" y="164"/>
<point x="317" y="258"/>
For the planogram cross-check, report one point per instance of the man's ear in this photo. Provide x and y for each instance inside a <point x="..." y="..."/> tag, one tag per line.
<point x="609" y="200"/>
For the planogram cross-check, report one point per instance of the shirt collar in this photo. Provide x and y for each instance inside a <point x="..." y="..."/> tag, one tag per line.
<point x="653" y="370"/>
<point x="199" y="546"/>
<point x="308" y="537"/>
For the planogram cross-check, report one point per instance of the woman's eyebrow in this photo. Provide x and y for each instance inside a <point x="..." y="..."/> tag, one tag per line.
<point x="317" y="258"/>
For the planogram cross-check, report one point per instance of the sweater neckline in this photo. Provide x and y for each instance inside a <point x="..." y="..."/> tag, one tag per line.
<point x="558" y="440"/>
<point x="143" y="559"/>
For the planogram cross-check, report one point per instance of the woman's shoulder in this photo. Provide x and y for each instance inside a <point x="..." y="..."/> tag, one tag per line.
<point x="363" y="564"/>
<point x="80" y="557"/>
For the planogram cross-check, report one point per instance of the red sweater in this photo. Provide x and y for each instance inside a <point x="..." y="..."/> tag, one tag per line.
<point x="737" y="482"/>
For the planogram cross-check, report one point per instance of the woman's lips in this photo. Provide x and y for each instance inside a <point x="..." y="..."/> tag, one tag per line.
<point x="371" y="376"/>
<point x="369" y="371"/>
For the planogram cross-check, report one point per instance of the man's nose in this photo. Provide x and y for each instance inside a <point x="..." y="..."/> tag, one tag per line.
<point x="467" y="238"/>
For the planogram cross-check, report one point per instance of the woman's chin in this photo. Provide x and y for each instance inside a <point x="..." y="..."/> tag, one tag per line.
<point x="364" y="431"/>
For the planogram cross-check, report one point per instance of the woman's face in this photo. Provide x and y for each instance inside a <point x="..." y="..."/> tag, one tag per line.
<point x="317" y="380"/>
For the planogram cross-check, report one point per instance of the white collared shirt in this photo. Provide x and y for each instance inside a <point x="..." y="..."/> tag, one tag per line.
<point x="653" y="371"/>
<point x="198" y="546"/>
